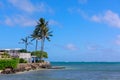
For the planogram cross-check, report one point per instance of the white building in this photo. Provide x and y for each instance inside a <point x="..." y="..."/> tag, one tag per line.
<point x="15" y="53"/>
<point x="26" y="56"/>
<point x="11" y="52"/>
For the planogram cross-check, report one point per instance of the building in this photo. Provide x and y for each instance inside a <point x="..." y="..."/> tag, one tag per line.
<point x="15" y="53"/>
<point x="26" y="56"/>
<point x="1" y="53"/>
<point x="11" y="52"/>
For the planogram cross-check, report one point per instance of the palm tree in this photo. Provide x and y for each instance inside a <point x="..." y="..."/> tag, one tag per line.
<point x="34" y="36"/>
<point x="42" y="32"/>
<point x="46" y="35"/>
<point x="25" y="41"/>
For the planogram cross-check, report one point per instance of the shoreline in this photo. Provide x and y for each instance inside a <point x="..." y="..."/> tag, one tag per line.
<point x="31" y="71"/>
<point x="28" y="67"/>
<point x="25" y="67"/>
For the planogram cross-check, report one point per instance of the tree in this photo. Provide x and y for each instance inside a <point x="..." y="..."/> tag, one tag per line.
<point x="22" y="50"/>
<point x="42" y="32"/>
<point x="38" y="54"/>
<point x="35" y="36"/>
<point x="25" y="41"/>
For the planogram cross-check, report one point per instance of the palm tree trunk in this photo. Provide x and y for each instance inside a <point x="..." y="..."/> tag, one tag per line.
<point x="26" y="47"/>
<point x="42" y="47"/>
<point x="36" y="45"/>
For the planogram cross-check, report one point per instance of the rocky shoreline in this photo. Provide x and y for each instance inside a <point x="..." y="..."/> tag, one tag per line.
<point x="26" y="67"/>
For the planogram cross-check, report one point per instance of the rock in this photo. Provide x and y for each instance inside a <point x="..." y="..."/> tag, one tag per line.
<point x="8" y="71"/>
<point x="26" y="67"/>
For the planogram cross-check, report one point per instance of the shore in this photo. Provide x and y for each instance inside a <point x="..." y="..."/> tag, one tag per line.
<point x="23" y="67"/>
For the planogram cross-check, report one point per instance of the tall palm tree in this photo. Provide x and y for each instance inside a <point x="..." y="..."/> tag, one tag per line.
<point x="25" y="41"/>
<point x="42" y="32"/>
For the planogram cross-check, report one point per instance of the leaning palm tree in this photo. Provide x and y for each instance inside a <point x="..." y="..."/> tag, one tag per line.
<point x="25" y="41"/>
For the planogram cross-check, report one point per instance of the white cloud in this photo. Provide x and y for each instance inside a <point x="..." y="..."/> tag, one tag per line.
<point x="71" y="47"/>
<point x="24" y="5"/>
<point x="28" y="6"/>
<point x="109" y="17"/>
<point x="19" y="20"/>
<point x="54" y="23"/>
<point x="43" y="7"/>
<point x="96" y="18"/>
<point x="8" y="21"/>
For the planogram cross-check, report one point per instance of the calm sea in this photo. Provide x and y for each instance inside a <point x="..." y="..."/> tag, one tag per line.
<point x="73" y="71"/>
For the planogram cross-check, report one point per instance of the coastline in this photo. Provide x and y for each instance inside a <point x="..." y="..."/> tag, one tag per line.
<point x="25" y="67"/>
<point x="28" y="67"/>
<point x="31" y="71"/>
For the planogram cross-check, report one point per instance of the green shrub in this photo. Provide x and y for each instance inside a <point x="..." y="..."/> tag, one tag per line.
<point x="21" y="60"/>
<point x="39" y="54"/>
<point x="5" y="63"/>
<point x="23" y="51"/>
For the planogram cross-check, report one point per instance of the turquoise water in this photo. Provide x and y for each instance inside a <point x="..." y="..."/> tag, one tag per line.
<point x="73" y="71"/>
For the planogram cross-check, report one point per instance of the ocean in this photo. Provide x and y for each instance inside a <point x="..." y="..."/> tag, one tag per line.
<point x="73" y="71"/>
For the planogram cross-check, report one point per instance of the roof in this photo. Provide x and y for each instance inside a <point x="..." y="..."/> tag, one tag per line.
<point x="10" y="49"/>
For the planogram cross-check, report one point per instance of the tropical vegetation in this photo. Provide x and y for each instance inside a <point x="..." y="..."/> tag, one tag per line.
<point x="21" y="60"/>
<point x="41" y="32"/>
<point x="38" y="54"/>
<point x="25" y="41"/>
<point x="8" y="63"/>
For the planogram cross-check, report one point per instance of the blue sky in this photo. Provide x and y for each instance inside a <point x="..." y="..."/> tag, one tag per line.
<point x="84" y="30"/>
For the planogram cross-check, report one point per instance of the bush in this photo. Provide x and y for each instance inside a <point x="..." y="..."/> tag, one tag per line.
<point x="5" y="63"/>
<point x="39" y="54"/>
<point x="21" y="60"/>
<point x="23" y="51"/>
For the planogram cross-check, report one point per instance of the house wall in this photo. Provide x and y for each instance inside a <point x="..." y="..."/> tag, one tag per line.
<point x="26" y="56"/>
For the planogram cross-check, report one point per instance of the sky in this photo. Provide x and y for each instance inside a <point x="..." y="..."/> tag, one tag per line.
<point x="83" y="30"/>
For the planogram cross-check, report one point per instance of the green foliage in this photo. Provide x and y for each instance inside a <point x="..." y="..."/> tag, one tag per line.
<point x="40" y="54"/>
<point x="5" y="55"/>
<point x="25" y="41"/>
<point x="4" y="63"/>
<point x="42" y="32"/>
<point x="23" y="51"/>
<point x="21" y="60"/>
